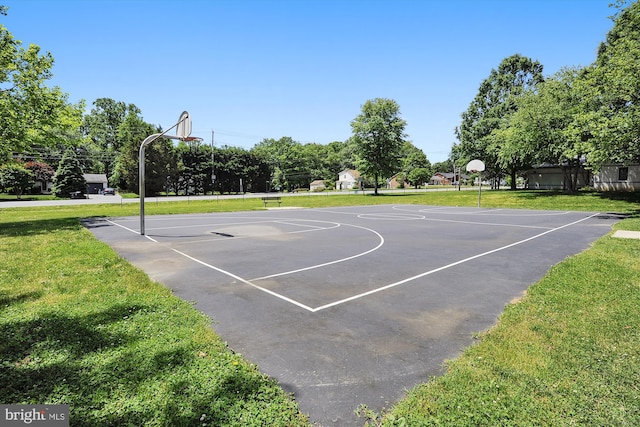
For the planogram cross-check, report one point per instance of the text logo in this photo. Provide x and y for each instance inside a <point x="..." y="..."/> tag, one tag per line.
<point x="34" y="415"/>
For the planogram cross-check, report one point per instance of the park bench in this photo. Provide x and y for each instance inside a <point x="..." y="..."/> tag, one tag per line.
<point x="270" y="199"/>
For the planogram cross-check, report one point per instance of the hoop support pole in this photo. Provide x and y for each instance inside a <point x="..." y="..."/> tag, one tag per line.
<point x="141" y="181"/>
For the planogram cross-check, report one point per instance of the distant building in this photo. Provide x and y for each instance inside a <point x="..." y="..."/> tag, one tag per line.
<point x="393" y="182"/>
<point x="547" y="176"/>
<point x="96" y="182"/>
<point x="617" y="178"/>
<point x="611" y="177"/>
<point x="317" y="185"/>
<point x="448" y="178"/>
<point x="349" y="179"/>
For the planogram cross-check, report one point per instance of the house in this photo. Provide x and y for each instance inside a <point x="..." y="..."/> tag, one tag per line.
<point x="448" y="178"/>
<point x="349" y="179"/>
<point x="616" y="177"/>
<point x="43" y="187"/>
<point x="393" y="182"/>
<point x="317" y="185"/>
<point x="547" y="176"/>
<point x="96" y="182"/>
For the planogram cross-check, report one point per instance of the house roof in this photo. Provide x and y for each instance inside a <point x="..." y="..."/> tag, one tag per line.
<point x="451" y="175"/>
<point x="95" y="177"/>
<point x="317" y="182"/>
<point x="352" y="172"/>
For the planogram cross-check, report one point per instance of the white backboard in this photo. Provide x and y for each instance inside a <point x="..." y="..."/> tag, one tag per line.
<point x="184" y="125"/>
<point x="475" y="165"/>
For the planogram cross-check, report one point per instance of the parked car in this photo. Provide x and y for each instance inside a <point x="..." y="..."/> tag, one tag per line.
<point x="77" y="195"/>
<point x="109" y="192"/>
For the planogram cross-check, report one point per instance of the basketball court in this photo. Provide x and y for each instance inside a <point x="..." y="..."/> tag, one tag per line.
<point x="352" y="305"/>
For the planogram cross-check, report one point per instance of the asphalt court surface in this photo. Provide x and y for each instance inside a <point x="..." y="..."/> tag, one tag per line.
<point x="352" y="305"/>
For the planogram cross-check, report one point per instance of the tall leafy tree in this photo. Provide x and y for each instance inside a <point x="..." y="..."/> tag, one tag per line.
<point x="538" y="131"/>
<point x="31" y="113"/>
<point x="340" y="156"/>
<point x="195" y="167"/>
<point x="42" y="173"/>
<point x="102" y="125"/>
<point x="495" y="102"/>
<point x="415" y="164"/>
<point x="69" y="177"/>
<point x="15" y="178"/>
<point x="378" y="133"/>
<point x="159" y="156"/>
<point x="608" y="123"/>
<point x="286" y="160"/>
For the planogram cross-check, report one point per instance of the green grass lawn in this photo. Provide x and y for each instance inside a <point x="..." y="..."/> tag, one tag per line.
<point x="82" y="326"/>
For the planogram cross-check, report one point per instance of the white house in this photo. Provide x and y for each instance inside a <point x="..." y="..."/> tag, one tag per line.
<point x="617" y="178"/>
<point x="349" y="179"/>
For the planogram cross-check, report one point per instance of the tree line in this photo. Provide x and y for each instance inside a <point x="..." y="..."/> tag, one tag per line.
<point x="43" y="136"/>
<point x="579" y="118"/>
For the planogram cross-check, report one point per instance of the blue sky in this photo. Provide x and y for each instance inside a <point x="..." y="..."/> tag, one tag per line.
<point x="255" y="69"/>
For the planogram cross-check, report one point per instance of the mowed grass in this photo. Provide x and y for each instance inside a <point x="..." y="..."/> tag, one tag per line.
<point x="82" y="326"/>
<point x="567" y="354"/>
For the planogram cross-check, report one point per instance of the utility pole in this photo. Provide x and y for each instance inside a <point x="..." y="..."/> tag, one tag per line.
<point x="213" y="165"/>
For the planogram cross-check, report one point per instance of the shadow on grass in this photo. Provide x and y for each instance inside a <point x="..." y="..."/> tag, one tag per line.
<point x="37" y="226"/>
<point x="55" y="336"/>
<point x="111" y="372"/>
<point x="6" y="300"/>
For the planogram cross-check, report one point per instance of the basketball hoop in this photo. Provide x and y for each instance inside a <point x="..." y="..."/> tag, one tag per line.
<point x="475" y="166"/>
<point x="183" y="130"/>
<point x="191" y="139"/>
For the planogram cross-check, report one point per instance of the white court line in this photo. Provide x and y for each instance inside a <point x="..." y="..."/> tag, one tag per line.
<point x="373" y="291"/>
<point x="247" y="282"/>
<point x="492" y="213"/>
<point x="315" y="227"/>
<point x="406" y="217"/>
<point x="393" y="285"/>
<point x="218" y="239"/>
<point x="129" y="229"/>
<point x="224" y="224"/>
<point x="331" y="262"/>
<point x="487" y="223"/>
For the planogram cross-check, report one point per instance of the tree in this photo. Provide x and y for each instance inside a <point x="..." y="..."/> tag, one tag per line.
<point x="608" y="123"/>
<point x="445" y="166"/>
<point x="340" y="156"/>
<point x="419" y="176"/>
<point x="14" y="178"/>
<point x="31" y="113"/>
<point x="42" y="173"/>
<point x="159" y="155"/>
<point x="538" y="131"/>
<point x="102" y="127"/>
<point x="195" y="167"/>
<point x="69" y="178"/>
<point x="495" y="102"/>
<point x="414" y="159"/>
<point x="378" y="132"/>
<point x="286" y="161"/>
